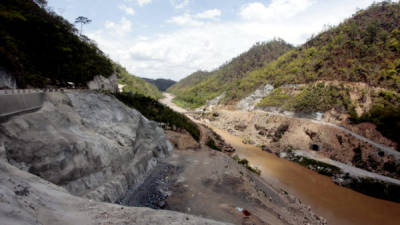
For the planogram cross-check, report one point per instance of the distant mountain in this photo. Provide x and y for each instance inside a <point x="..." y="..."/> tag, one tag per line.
<point x="161" y="84"/>
<point x="135" y="84"/>
<point x="196" y="89"/>
<point x="364" y="48"/>
<point x="352" y="69"/>
<point x="189" y="81"/>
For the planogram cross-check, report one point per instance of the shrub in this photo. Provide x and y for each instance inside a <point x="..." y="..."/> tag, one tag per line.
<point x="245" y="163"/>
<point x="153" y="110"/>
<point x="211" y="143"/>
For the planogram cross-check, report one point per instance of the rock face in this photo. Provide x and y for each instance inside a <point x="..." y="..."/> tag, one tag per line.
<point x="252" y="100"/>
<point x="102" y="83"/>
<point x="89" y="143"/>
<point x="210" y="104"/>
<point x="26" y="199"/>
<point x="7" y="81"/>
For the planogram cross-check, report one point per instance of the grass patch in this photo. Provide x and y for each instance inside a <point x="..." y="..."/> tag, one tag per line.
<point x="156" y="111"/>
<point x="376" y="188"/>
<point x="320" y="167"/>
<point x="385" y="113"/>
<point x="245" y="163"/>
<point x="211" y="143"/>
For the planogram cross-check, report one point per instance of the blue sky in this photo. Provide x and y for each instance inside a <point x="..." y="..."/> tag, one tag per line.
<point x="173" y="38"/>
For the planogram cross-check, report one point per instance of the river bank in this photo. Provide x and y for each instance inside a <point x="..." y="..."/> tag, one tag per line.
<point x="337" y="204"/>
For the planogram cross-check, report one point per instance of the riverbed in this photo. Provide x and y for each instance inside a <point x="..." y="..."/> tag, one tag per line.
<point x="339" y="205"/>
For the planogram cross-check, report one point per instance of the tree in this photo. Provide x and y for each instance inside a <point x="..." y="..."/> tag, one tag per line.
<point x="82" y="20"/>
<point x="41" y="3"/>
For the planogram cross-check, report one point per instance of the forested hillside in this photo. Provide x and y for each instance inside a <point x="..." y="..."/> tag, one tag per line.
<point x="40" y="48"/>
<point x="364" y="48"/>
<point x="355" y="65"/>
<point x="193" y="94"/>
<point x="189" y="81"/>
<point x="161" y="84"/>
<point x="135" y="84"/>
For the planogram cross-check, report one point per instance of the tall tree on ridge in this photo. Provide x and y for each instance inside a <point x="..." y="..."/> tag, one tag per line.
<point x="82" y="20"/>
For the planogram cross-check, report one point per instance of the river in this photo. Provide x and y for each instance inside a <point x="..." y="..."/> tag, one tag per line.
<point x="339" y="205"/>
<point x="336" y="204"/>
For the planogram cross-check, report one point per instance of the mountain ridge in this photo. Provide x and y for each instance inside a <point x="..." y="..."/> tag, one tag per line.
<point x="212" y="84"/>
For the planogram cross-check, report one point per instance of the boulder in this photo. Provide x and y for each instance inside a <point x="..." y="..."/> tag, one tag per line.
<point x="101" y="83"/>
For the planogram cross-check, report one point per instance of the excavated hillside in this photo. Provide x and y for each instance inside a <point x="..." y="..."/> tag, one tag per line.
<point x="63" y="163"/>
<point x="89" y="143"/>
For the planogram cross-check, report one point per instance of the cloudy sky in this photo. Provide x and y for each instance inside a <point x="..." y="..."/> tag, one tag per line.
<point x="173" y="38"/>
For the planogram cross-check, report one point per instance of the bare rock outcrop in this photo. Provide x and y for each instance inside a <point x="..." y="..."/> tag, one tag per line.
<point x="7" y="81"/>
<point x="101" y="83"/>
<point x="250" y="102"/>
<point x="26" y="199"/>
<point x="89" y="143"/>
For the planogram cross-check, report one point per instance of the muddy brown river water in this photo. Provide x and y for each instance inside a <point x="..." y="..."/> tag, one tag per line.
<point x="340" y="206"/>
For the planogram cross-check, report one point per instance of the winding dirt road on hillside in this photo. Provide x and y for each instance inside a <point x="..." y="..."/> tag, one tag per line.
<point x="386" y="149"/>
<point x="337" y="204"/>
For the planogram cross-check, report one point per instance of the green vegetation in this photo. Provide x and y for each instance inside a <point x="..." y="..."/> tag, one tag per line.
<point x="277" y="98"/>
<point x="135" y="84"/>
<point x="375" y="188"/>
<point x="161" y="84"/>
<point x="320" y="167"/>
<point x="41" y="48"/>
<point x="196" y="89"/>
<point x="317" y="97"/>
<point x="189" y="81"/>
<point x="211" y="143"/>
<point x="153" y="110"/>
<point x="364" y="48"/>
<point x="245" y="163"/>
<point x="385" y="113"/>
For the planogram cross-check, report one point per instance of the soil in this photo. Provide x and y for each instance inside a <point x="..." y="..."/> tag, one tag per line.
<point x="263" y="129"/>
<point x="210" y="184"/>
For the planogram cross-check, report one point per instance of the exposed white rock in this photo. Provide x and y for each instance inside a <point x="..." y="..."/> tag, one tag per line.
<point x="26" y="199"/>
<point x="101" y="83"/>
<point x="210" y="104"/>
<point x="250" y="102"/>
<point x="7" y="81"/>
<point x="89" y="143"/>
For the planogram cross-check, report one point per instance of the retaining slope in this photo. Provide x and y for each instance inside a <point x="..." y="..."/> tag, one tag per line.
<point x="11" y="104"/>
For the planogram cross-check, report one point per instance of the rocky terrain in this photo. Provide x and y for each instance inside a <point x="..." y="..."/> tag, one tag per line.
<point x="277" y="133"/>
<point x="63" y="163"/>
<point x="29" y="200"/>
<point x="89" y="143"/>
<point x="204" y="182"/>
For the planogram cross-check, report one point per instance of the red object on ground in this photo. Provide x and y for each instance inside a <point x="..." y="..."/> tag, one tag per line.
<point x="246" y="213"/>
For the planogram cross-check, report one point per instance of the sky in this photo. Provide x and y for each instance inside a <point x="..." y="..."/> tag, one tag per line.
<point x="174" y="38"/>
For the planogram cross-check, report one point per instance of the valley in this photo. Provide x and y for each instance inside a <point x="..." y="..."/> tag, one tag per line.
<point x="337" y="204"/>
<point x="188" y="112"/>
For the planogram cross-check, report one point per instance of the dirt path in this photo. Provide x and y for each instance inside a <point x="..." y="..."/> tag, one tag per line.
<point x="167" y="100"/>
<point x="381" y="147"/>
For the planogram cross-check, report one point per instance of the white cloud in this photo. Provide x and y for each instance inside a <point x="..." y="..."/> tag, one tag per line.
<point x="121" y="28"/>
<point x="277" y="9"/>
<point x="185" y="20"/>
<point x="178" y="4"/>
<point x="129" y="11"/>
<point x="205" y="42"/>
<point x="143" y="2"/>
<point x="209" y="14"/>
<point x="197" y="19"/>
